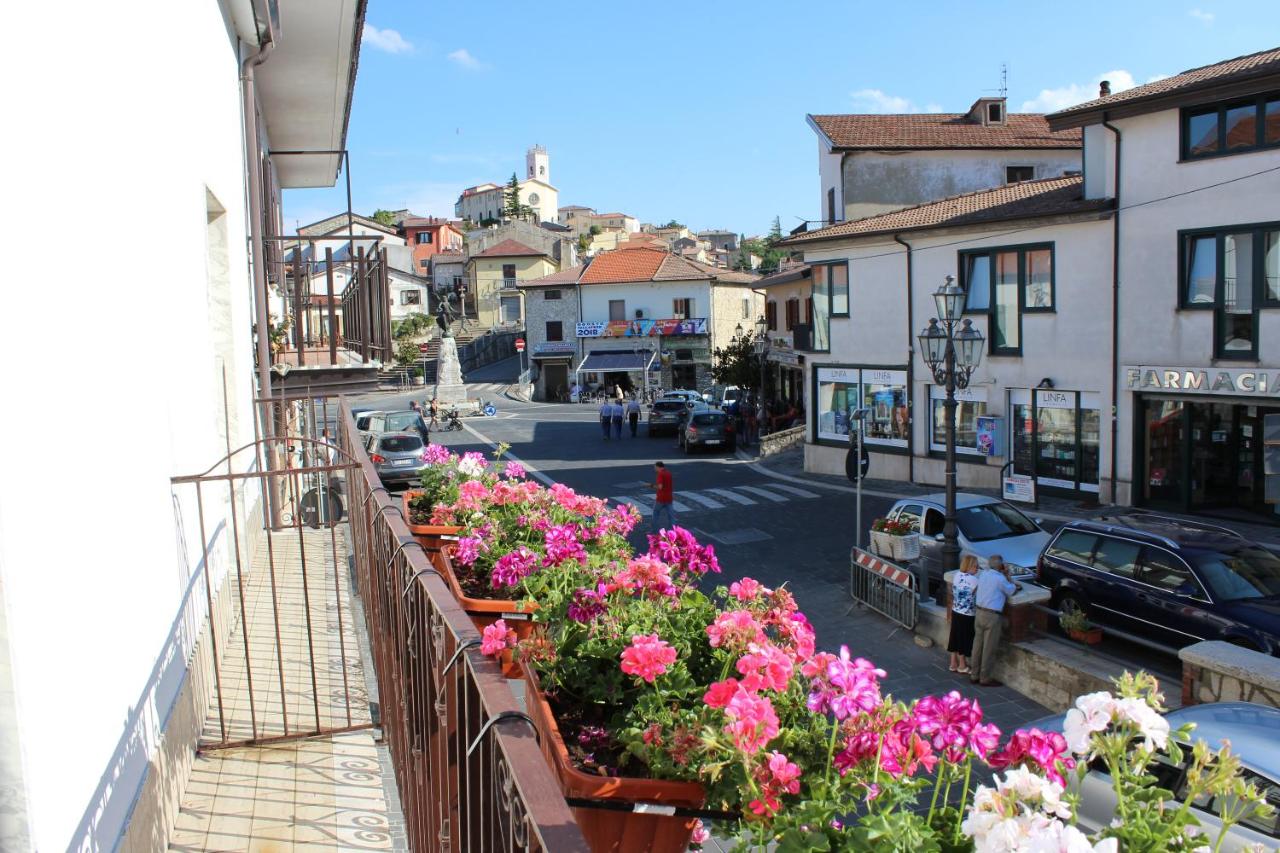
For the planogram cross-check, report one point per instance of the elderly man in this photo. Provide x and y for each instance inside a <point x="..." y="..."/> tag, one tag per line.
<point x="994" y="587"/>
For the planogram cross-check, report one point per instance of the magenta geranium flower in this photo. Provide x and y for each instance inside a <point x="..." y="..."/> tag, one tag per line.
<point x="437" y="454"/>
<point x="563" y="544"/>
<point x="647" y="657"/>
<point x="468" y="550"/>
<point x="680" y="549"/>
<point x="948" y="722"/>
<point x="848" y="686"/>
<point x="496" y="638"/>
<point x="513" y="567"/>
<point x="777" y="776"/>
<point x="587" y="603"/>
<point x="1044" y="750"/>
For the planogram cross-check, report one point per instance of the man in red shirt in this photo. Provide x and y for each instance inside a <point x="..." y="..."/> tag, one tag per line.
<point x="662" y="500"/>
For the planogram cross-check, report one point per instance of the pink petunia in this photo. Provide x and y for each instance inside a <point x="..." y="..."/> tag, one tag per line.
<point x="496" y="638"/>
<point x="647" y="657"/>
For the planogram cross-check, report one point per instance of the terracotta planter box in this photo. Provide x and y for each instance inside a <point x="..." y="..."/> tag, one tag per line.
<point x="432" y="537"/>
<point x="609" y="831"/>
<point x="485" y="611"/>
<point x="1090" y="637"/>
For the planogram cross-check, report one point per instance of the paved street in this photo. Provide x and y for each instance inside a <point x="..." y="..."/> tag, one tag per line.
<point x="767" y="528"/>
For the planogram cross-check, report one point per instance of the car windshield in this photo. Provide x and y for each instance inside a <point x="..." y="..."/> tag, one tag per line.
<point x="402" y="420"/>
<point x="1245" y="572"/>
<point x="401" y="443"/>
<point x="985" y="522"/>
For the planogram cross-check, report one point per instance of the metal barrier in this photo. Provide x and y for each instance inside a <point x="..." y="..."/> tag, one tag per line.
<point x="885" y="587"/>
<point x="470" y="772"/>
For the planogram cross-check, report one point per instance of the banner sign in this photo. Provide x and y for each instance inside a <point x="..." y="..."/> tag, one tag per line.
<point x="641" y="328"/>
<point x="545" y="347"/>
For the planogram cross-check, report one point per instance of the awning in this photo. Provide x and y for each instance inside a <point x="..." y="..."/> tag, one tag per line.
<point x="621" y="360"/>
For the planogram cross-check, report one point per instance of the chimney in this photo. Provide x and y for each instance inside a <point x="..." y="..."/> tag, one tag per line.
<point x="1104" y="88"/>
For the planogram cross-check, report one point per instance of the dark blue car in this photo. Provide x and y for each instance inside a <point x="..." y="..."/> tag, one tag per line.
<point x="1168" y="580"/>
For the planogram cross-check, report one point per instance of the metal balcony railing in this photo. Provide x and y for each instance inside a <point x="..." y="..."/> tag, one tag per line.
<point x="468" y="766"/>
<point x="509" y="283"/>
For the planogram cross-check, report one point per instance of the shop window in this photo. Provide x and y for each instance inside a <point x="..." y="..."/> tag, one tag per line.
<point x="971" y="404"/>
<point x="1055" y="437"/>
<point x="1005" y="284"/>
<point x="884" y="395"/>
<point x="1164" y="443"/>
<point x="411" y="297"/>
<point x="1233" y="272"/>
<point x="837" y="397"/>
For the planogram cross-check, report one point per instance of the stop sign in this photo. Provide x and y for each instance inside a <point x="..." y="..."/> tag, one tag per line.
<point x="423" y="348"/>
<point x="519" y="344"/>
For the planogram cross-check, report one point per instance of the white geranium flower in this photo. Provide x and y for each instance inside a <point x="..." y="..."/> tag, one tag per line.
<point x="471" y="466"/>
<point x="1092" y="713"/>
<point x="1154" y="728"/>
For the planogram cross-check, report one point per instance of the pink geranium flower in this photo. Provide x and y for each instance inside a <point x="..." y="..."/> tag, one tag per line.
<point x="719" y="693"/>
<point x="847" y="687"/>
<point x="468" y="550"/>
<point x="752" y="721"/>
<point x="747" y="589"/>
<point x="437" y="454"/>
<point x="496" y="638"/>
<point x="647" y="657"/>
<point x="1044" y="750"/>
<point x="514" y="471"/>
<point x="646" y="575"/>
<point x="735" y="629"/>
<point x="563" y="545"/>
<point x="765" y="667"/>
<point x="777" y="776"/>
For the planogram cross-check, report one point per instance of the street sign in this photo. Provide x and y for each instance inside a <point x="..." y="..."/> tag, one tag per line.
<point x="1019" y="487"/>
<point x="423" y="347"/>
<point x="519" y="344"/>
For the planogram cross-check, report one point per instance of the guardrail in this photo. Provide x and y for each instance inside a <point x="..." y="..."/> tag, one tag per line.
<point x="885" y="587"/>
<point x="468" y="766"/>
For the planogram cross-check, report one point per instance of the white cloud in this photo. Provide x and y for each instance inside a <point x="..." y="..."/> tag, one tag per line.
<point x="1052" y="100"/>
<point x="464" y="59"/>
<point x="387" y="41"/>
<point x="876" y="101"/>
<point x="1202" y="16"/>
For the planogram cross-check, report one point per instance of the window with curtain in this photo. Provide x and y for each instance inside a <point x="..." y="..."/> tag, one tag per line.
<point x="1005" y="284"/>
<point x="1234" y="272"/>
<point x="820" y="340"/>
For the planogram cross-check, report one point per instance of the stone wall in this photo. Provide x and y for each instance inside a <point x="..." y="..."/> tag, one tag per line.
<point x="776" y="442"/>
<point x="1215" y="671"/>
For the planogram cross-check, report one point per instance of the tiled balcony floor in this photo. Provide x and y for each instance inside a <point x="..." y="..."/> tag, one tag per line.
<point x="327" y="792"/>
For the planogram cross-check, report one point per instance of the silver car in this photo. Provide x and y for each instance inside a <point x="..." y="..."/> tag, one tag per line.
<point x="399" y="457"/>
<point x="667" y="414"/>
<point x="984" y="526"/>
<point x="1253" y="731"/>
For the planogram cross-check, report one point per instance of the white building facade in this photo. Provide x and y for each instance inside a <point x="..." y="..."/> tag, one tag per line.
<point x="485" y="202"/>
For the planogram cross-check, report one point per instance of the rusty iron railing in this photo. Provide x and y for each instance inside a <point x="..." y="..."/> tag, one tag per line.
<point x="470" y="773"/>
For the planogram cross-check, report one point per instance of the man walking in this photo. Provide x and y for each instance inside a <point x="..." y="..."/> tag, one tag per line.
<point x="994" y="587"/>
<point x="633" y="415"/>
<point x="606" y="418"/>
<point x="615" y="415"/>
<point x="664" y="495"/>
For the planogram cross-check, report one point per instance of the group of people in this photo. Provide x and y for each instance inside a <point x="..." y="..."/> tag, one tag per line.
<point x="614" y="412"/>
<point x="977" y="599"/>
<point x="754" y="417"/>
<point x="428" y="418"/>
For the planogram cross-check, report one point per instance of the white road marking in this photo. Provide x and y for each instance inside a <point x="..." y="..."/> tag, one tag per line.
<point x="680" y="507"/>
<point x="792" y="490"/>
<point x="633" y="503"/>
<point x="733" y="496"/>
<point x="702" y="499"/>
<point x="756" y="490"/>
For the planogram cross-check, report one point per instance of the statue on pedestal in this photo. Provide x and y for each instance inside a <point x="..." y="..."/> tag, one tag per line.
<point x="445" y="314"/>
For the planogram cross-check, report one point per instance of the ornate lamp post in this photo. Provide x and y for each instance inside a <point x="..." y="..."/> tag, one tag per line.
<point x="762" y="349"/>
<point x="952" y="349"/>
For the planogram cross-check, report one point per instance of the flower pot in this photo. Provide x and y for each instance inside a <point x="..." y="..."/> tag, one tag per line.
<point x="432" y="537"/>
<point x="1090" y="636"/>
<point x="609" y="831"/>
<point x="483" y="612"/>
<point x="895" y="547"/>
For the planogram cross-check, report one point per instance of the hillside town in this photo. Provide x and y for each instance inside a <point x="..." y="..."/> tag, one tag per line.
<point x="923" y="495"/>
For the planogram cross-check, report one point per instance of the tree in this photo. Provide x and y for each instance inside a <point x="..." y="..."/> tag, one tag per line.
<point x="737" y="363"/>
<point x="511" y="207"/>
<point x="595" y="229"/>
<point x="386" y="217"/>
<point x="671" y="224"/>
<point x="775" y="232"/>
<point x="584" y="243"/>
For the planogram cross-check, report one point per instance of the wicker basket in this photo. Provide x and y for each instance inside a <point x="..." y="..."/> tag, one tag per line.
<point x="895" y="547"/>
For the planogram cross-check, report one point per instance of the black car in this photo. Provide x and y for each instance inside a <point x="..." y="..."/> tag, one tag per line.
<point x="1170" y="580"/>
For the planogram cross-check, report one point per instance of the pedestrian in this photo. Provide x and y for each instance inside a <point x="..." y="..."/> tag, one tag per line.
<point x="606" y="418"/>
<point x="633" y="415"/>
<point x="989" y="597"/>
<point x="433" y="421"/>
<point x="615" y="415"/>
<point x="617" y="392"/>
<point x="662" y="499"/>
<point x="964" y="584"/>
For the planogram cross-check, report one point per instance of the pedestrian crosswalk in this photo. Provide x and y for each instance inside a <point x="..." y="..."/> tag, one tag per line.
<point x="487" y="389"/>
<point x="710" y="500"/>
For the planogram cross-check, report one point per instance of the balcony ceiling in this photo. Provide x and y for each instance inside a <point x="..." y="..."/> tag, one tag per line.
<point x="306" y="84"/>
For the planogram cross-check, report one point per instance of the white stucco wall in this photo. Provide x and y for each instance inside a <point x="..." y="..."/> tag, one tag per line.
<point x="93" y="570"/>
<point x="1153" y="330"/>
<point x="829" y="178"/>
<point x="880" y="181"/>
<point x="879" y="333"/>
<point x="655" y="298"/>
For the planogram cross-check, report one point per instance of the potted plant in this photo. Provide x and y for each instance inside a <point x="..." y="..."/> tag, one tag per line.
<point x="896" y="539"/>
<point x="1079" y="628"/>
<point x="419" y="378"/>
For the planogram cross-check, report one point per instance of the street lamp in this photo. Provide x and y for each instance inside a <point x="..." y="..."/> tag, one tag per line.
<point x="737" y="334"/>
<point x="952" y="349"/>
<point x="762" y="350"/>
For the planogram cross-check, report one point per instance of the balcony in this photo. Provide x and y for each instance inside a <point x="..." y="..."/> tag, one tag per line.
<point x="509" y="283"/>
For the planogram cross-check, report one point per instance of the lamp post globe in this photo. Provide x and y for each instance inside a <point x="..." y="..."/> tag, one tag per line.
<point x="761" y="326"/>
<point x="737" y="333"/>
<point x="950" y="301"/>
<point x="933" y="346"/>
<point x="968" y="344"/>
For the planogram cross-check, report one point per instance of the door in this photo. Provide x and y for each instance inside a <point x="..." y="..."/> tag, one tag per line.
<point x="931" y="525"/>
<point x="684" y="376"/>
<point x="556" y="380"/>
<point x="1113" y="586"/>
<point x="1213" y="456"/>
<point x="1170" y="601"/>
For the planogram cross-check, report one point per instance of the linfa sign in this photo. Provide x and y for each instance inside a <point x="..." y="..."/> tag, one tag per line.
<point x="1234" y="382"/>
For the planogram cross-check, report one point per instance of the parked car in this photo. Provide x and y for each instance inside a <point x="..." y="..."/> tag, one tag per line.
<point x="666" y="414"/>
<point x="1253" y="731"/>
<point x="722" y="395"/>
<point x="399" y="457"/>
<point x="984" y="526"/>
<point x="707" y="427"/>
<point x="398" y="421"/>
<point x="1174" y="581"/>
<point x="363" y="416"/>
<point x="687" y="396"/>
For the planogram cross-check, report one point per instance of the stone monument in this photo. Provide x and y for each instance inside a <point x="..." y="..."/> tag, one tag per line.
<point x="450" y="389"/>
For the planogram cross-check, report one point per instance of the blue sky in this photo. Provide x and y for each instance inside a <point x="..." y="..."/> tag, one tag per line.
<point x="696" y="112"/>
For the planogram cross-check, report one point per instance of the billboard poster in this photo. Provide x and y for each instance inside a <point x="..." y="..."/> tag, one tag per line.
<point x="592" y="329"/>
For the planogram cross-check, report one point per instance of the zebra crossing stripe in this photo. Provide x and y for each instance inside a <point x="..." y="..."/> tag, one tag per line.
<point x="680" y="507"/>
<point x="756" y="490"/>
<point x="634" y="504"/>
<point x="702" y="499"/>
<point x="733" y="496"/>
<point x="792" y="490"/>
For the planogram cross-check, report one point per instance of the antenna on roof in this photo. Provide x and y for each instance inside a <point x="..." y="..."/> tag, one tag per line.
<point x="1004" y="79"/>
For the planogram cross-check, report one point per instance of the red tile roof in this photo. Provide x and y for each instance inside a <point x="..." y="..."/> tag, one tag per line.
<point x="509" y="248"/>
<point x="1242" y="68"/>
<point x="1048" y="197"/>
<point x="631" y="265"/>
<point x="940" y="130"/>
<point x="569" y="276"/>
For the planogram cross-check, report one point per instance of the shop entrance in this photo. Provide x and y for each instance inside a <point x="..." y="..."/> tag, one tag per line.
<point x="1203" y="456"/>
<point x="556" y="382"/>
